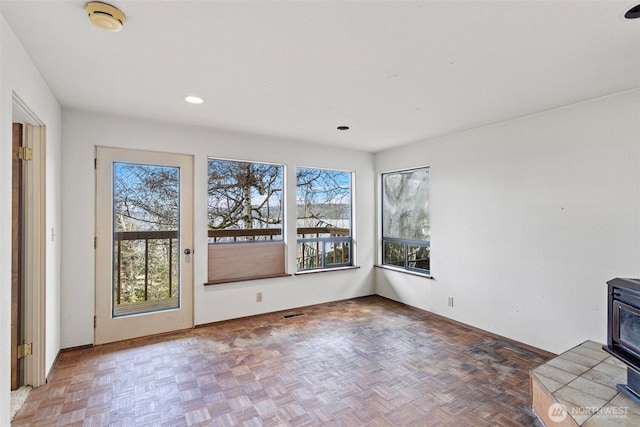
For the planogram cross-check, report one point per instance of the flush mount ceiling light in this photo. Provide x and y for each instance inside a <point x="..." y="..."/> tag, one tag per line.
<point x="343" y="128"/>
<point x="193" y="99"/>
<point x="633" y="13"/>
<point x="105" y="16"/>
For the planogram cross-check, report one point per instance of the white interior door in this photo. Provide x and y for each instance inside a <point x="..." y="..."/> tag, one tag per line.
<point x="144" y="234"/>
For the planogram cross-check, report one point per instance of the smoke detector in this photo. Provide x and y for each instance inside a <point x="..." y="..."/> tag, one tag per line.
<point x="105" y="16"/>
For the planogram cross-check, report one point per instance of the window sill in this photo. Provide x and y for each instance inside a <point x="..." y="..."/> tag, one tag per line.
<point x="245" y="279"/>
<point x="324" y="270"/>
<point x="405" y="271"/>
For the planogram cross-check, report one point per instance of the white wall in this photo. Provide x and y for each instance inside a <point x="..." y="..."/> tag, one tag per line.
<point x="530" y="218"/>
<point x="18" y="75"/>
<point x="83" y="131"/>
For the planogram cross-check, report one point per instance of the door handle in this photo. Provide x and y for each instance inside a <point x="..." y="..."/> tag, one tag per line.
<point x="187" y="251"/>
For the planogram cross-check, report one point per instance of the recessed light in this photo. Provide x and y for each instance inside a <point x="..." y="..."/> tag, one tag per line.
<point x="633" y="13"/>
<point x="193" y="99"/>
<point x="343" y="128"/>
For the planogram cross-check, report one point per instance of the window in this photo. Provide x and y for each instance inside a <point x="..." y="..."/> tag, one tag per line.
<point x="245" y="201"/>
<point x="146" y="220"/>
<point x="323" y="199"/>
<point x="405" y="220"/>
<point x="245" y="215"/>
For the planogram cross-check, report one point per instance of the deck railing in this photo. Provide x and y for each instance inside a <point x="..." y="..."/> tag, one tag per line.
<point x="244" y="235"/>
<point x="170" y="236"/>
<point x="407" y="253"/>
<point x="317" y="248"/>
<point x="322" y="247"/>
<point x="270" y="233"/>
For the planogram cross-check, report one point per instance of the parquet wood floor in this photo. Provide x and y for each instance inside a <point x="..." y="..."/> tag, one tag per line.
<point x="361" y="362"/>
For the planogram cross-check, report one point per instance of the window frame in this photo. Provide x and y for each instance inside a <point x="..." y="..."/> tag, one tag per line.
<point x="227" y="259"/>
<point x="406" y="243"/>
<point x="324" y="241"/>
<point x="406" y="260"/>
<point x="283" y="223"/>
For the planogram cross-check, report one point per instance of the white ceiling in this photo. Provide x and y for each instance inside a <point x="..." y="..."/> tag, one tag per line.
<point x="394" y="71"/>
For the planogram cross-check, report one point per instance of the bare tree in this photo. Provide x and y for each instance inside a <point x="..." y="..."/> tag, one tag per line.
<point x="244" y="195"/>
<point x="406" y="204"/>
<point x="145" y="198"/>
<point x="322" y="195"/>
<point x="148" y="195"/>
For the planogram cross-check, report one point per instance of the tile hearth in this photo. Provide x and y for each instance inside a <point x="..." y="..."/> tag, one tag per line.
<point x="578" y="388"/>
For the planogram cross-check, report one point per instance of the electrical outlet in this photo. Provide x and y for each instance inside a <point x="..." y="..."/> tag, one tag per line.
<point x="258" y="296"/>
<point x="450" y="302"/>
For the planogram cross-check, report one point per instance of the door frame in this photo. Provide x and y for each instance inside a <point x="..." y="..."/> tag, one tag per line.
<point x="34" y="239"/>
<point x="17" y="256"/>
<point x="150" y="323"/>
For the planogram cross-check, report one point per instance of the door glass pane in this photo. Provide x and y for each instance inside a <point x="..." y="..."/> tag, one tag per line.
<point x="630" y="327"/>
<point x="146" y="227"/>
